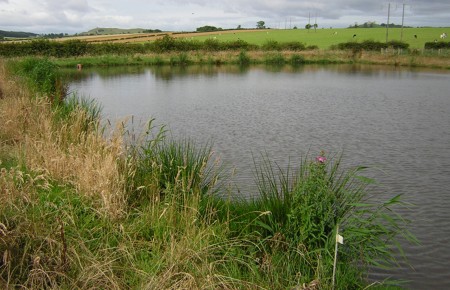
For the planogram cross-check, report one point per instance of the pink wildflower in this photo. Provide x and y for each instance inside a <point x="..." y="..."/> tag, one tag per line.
<point x="321" y="159"/>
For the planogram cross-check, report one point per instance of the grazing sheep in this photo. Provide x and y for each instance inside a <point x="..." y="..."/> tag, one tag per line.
<point x="354" y="35"/>
<point x="443" y="35"/>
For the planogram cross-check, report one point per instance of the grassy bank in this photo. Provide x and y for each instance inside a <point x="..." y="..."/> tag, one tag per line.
<point x="391" y="58"/>
<point x="81" y="206"/>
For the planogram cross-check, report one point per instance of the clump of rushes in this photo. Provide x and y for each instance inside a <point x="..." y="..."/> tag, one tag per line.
<point x="164" y="166"/>
<point x="296" y="216"/>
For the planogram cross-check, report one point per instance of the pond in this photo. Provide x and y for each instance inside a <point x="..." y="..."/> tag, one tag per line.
<point x="397" y="121"/>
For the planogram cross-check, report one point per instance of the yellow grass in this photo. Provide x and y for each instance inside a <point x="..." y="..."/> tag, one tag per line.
<point x="143" y="37"/>
<point x="62" y="151"/>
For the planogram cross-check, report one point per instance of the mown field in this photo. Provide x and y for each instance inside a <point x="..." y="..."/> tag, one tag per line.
<point x="323" y="38"/>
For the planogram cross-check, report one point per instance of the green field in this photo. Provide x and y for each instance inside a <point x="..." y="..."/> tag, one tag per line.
<point x="324" y="38"/>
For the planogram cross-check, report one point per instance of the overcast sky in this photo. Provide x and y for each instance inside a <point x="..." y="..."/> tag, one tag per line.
<point x="74" y="16"/>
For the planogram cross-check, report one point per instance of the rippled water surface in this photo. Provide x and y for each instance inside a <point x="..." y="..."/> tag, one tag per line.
<point x="395" y="120"/>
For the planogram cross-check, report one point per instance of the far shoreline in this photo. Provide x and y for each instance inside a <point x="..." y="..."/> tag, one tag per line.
<point x="389" y="58"/>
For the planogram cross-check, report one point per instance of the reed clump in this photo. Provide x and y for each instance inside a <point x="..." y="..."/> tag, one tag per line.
<point x="84" y="204"/>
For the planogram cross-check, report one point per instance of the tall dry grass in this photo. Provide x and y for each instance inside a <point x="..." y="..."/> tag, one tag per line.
<point x="50" y="164"/>
<point x="68" y="150"/>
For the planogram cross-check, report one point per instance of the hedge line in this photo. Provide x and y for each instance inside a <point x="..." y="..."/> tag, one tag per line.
<point x="74" y="48"/>
<point x="371" y="45"/>
<point x="437" y="45"/>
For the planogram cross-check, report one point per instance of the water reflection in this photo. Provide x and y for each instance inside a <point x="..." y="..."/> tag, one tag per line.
<point x="168" y="73"/>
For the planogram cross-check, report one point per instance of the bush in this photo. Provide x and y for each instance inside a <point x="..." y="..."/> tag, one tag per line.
<point x="397" y="44"/>
<point x="370" y="45"/>
<point x="164" y="44"/>
<point x="297" y="59"/>
<point x="437" y="45"/>
<point x="238" y="44"/>
<point x="294" y="46"/>
<point x="243" y="58"/>
<point x="312" y="47"/>
<point x="275" y="59"/>
<point x="211" y="44"/>
<point x="43" y="76"/>
<point x="271" y="45"/>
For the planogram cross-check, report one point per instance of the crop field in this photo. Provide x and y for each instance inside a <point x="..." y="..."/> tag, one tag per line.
<point x="144" y="37"/>
<point x="323" y="38"/>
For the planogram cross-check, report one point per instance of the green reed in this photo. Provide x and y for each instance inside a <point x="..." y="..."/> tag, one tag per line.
<point x="297" y="213"/>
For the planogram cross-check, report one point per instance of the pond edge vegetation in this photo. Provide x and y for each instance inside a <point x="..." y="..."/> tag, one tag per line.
<point x="179" y="51"/>
<point x="84" y="204"/>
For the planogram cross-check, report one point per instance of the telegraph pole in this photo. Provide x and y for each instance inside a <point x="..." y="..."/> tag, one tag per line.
<point x="315" y="23"/>
<point x="403" y="20"/>
<point x="309" y="21"/>
<point x="387" y="25"/>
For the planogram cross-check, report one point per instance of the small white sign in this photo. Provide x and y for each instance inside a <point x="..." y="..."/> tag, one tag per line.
<point x="339" y="239"/>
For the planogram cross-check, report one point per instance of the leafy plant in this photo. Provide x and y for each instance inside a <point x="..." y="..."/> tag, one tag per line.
<point x="243" y="58"/>
<point x="43" y="76"/>
<point x="301" y="209"/>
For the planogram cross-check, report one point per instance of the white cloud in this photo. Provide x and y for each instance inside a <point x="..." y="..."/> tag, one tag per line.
<point x="72" y="16"/>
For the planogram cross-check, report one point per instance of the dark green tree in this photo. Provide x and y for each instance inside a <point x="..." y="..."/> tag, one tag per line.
<point x="208" y="28"/>
<point x="260" y="25"/>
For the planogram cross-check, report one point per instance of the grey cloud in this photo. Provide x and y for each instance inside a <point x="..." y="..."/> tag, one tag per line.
<point x="189" y="14"/>
<point x="71" y="5"/>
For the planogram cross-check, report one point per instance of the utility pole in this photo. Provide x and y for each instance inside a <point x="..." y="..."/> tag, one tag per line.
<point x="403" y="20"/>
<point x="309" y="21"/>
<point x="315" y="23"/>
<point x="387" y="25"/>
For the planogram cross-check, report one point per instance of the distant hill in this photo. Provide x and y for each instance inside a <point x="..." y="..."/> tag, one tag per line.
<point x="109" y="31"/>
<point x="17" y="34"/>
